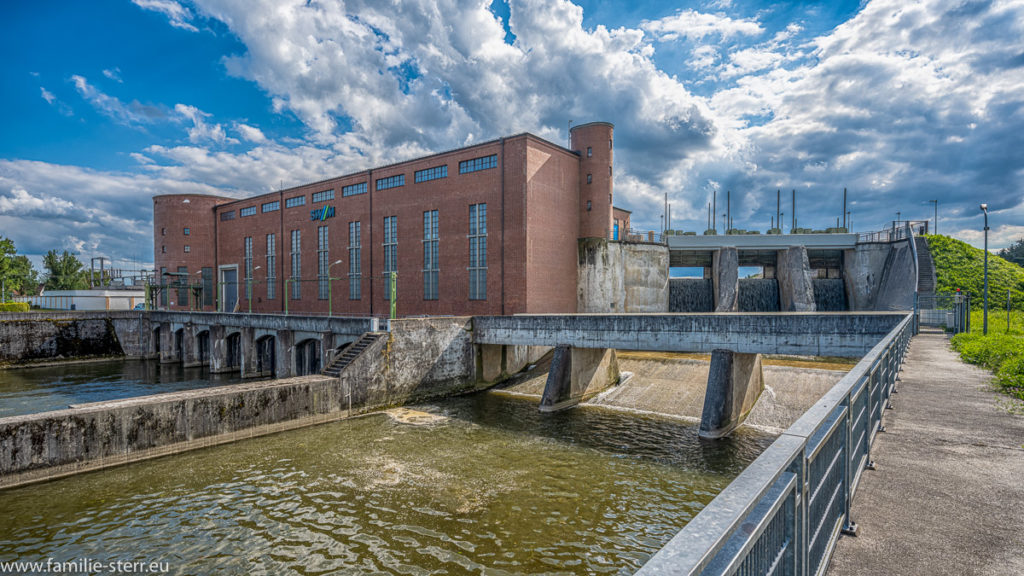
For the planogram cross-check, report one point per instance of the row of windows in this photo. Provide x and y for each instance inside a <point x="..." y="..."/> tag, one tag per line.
<point x="431" y="259"/>
<point x="435" y="173"/>
<point x="354" y="189"/>
<point x="391" y="182"/>
<point x="429" y="174"/>
<point x="476" y="164"/>
<point x="323" y="196"/>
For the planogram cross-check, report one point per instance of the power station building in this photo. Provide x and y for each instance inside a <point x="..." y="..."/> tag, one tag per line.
<point x="486" y="229"/>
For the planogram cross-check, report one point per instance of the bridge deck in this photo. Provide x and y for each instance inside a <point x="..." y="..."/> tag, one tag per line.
<point x="947" y="497"/>
<point x="850" y="334"/>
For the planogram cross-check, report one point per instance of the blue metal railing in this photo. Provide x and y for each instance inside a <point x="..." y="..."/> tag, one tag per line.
<point x="785" y="512"/>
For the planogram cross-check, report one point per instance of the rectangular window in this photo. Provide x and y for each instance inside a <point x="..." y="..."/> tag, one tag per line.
<point x="163" y="249"/>
<point x="229" y="215"/>
<point x="295" y="201"/>
<point x="478" y="252"/>
<point x="590" y="151"/>
<point x="430" y="265"/>
<point x="187" y="248"/>
<point x="247" y="211"/>
<point x="391" y="182"/>
<point x="271" y="206"/>
<point x="247" y="264"/>
<point x="164" y="279"/>
<point x="323" y="196"/>
<point x="296" y="285"/>
<point x="354" y="189"/>
<point x="590" y="178"/>
<point x="390" y="252"/>
<point x="431" y="173"/>
<point x="476" y="164"/>
<point x="271" y="266"/>
<point x="187" y="231"/>
<point x="322" y="266"/>
<point x="183" y="282"/>
<point x="208" y="292"/>
<point x="355" y="261"/>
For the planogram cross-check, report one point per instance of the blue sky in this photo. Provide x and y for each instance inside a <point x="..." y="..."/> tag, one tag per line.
<point x="108" y="103"/>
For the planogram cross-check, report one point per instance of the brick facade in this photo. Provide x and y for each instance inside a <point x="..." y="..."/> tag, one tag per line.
<point x="536" y="200"/>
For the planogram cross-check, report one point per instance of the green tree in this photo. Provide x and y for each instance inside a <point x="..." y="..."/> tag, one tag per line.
<point x="64" y="272"/>
<point x="1014" y="252"/>
<point x="16" y="270"/>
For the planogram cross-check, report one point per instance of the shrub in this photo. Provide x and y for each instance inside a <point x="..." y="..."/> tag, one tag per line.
<point x="14" y="307"/>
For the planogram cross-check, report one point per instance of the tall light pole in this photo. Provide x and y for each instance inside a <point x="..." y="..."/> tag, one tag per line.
<point x="330" y="286"/>
<point x="936" y="227"/>
<point x="248" y="288"/>
<point x="984" y="324"/>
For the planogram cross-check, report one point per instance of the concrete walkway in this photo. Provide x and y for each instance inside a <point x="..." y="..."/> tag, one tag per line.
<point x="948" y="495"/>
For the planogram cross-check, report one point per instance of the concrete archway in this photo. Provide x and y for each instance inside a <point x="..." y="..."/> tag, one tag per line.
<point x="156" y="340"/>
<point x="266" y="355"/>
<point x="307" y="357"/>
<point x="202" y="347"/>
<point x="234" y="350"/>
<point x="179" y="344"/>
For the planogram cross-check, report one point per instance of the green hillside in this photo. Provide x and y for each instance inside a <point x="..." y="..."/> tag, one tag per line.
<point x="960" y="265"/>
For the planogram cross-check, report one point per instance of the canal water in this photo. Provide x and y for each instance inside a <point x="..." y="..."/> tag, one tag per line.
<point x="43" y="388"/>
<point x="481" y="484"/>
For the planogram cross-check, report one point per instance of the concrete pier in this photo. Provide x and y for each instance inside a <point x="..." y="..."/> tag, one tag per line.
<point x="735" y="382"/>
<point x="578" y="374"/>
<point x="725" y="276"/>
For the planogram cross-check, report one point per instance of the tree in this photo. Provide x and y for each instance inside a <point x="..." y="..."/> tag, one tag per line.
<point x="64" y="272"/>
<point x="16" y="271"/>
<point x="1014" y="252"/>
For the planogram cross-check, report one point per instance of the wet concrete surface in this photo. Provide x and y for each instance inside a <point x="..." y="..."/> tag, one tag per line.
<point x="948" y="494"/>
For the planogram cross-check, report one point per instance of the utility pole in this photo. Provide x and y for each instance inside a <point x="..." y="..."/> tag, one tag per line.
<point x="793" y="224"/>
<point x="714" y="202"/>
<point x="778" y="209"/>
<point x="728" y="211"/>
<point x="844" y="210"/>
<point x="709" y="216"/>
<point x="935" y="229"/>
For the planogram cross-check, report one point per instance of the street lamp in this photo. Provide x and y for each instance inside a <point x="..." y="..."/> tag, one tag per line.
<point x="984" y="323"/>
<point x="248" y="288"/>
<point x="330" y="288"/>
<point x="936" y="227"/>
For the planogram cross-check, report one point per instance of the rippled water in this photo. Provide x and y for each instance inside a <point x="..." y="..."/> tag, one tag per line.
<point x="481" y="484"/>
<point x="30" y="390"/>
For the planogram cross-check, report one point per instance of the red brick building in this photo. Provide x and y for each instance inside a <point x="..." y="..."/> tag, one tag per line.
<point x="487" y="229"/>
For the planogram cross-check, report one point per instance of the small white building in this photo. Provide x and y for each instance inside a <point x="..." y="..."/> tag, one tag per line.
<point x="98" y="299"/>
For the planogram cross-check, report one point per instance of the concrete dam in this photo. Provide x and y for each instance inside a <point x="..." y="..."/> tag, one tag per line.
<point x="413" y="469"/>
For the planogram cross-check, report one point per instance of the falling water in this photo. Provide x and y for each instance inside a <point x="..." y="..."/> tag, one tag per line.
<point x="829" y="294"/>
<point x="690" y="295"/>
<point x="758" y="295"/>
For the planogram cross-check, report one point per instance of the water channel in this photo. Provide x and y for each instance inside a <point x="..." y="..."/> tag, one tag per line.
<point x="480" y="484"/>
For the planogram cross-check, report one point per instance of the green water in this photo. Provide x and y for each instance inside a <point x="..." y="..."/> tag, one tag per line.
<point x="482" y="484"/>
<point x="43" y="388"/>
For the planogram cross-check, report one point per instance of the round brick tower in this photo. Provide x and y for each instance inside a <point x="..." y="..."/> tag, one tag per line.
<point x="593" y="142"/>
<point x="184" y="240"/>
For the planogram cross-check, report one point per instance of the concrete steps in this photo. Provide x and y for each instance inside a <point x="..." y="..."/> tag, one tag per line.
<point x="350" y="353"/>
<point x="925" y="268"/>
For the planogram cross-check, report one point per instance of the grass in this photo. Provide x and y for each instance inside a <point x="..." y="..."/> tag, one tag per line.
<point x="1001" y="351"/>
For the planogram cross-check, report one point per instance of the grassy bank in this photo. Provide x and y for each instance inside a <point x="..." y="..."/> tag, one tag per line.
<point x="1001" y="351"/>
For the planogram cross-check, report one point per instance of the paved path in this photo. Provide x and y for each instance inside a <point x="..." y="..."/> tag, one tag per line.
<point x="948" y="495"/>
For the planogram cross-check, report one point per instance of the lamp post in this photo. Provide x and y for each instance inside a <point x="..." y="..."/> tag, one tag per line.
<point x="330" y="288"/>
<point x="984" y="323"/>
<point x="935" y="229"/>
<point x="248" y="288"/>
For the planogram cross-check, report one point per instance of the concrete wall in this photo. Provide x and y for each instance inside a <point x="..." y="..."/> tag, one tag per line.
<point x="617" y="277"/>
<point x="880" y="276"/>
<point x="420" y="359"/>
<point x="33" y="337"/>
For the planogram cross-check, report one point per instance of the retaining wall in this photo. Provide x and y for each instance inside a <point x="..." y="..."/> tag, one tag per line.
<point x="616" y="277"/>
<point x="33" y="337"/>
<point x="418" y="360"/>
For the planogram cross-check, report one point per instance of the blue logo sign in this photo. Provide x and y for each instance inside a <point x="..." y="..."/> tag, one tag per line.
<point x="322" y="213"/>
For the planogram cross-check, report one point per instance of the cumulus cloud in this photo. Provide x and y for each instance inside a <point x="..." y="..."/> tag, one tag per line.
<point x="695" y="25"/>
<point x="47" y="95"/>
<point x="113" y="74"/>
<point x="250" y="133"/>
<point x="178" y="15"/>
<point x="200" y="130"/>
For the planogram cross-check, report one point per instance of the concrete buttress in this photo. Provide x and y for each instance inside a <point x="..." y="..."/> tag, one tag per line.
<point x="577" y="374"/>
<point x="735" y="382"/>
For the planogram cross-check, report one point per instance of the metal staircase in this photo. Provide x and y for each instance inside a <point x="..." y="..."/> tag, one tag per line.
<point x="350" y="353"/>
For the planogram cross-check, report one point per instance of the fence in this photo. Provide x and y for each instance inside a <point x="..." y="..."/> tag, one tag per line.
<point x="783" y="514"/>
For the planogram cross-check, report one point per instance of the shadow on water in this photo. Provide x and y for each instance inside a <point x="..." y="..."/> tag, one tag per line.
<point x="39" y="389"/>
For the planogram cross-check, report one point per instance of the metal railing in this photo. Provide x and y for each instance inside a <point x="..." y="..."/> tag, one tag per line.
<point x="783" y="514"/>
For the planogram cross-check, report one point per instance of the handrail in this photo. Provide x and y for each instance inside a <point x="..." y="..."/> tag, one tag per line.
<point x="764" y="522"/>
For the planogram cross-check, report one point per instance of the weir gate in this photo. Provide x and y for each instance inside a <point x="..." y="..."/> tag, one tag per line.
<point x="782" y="515"/>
